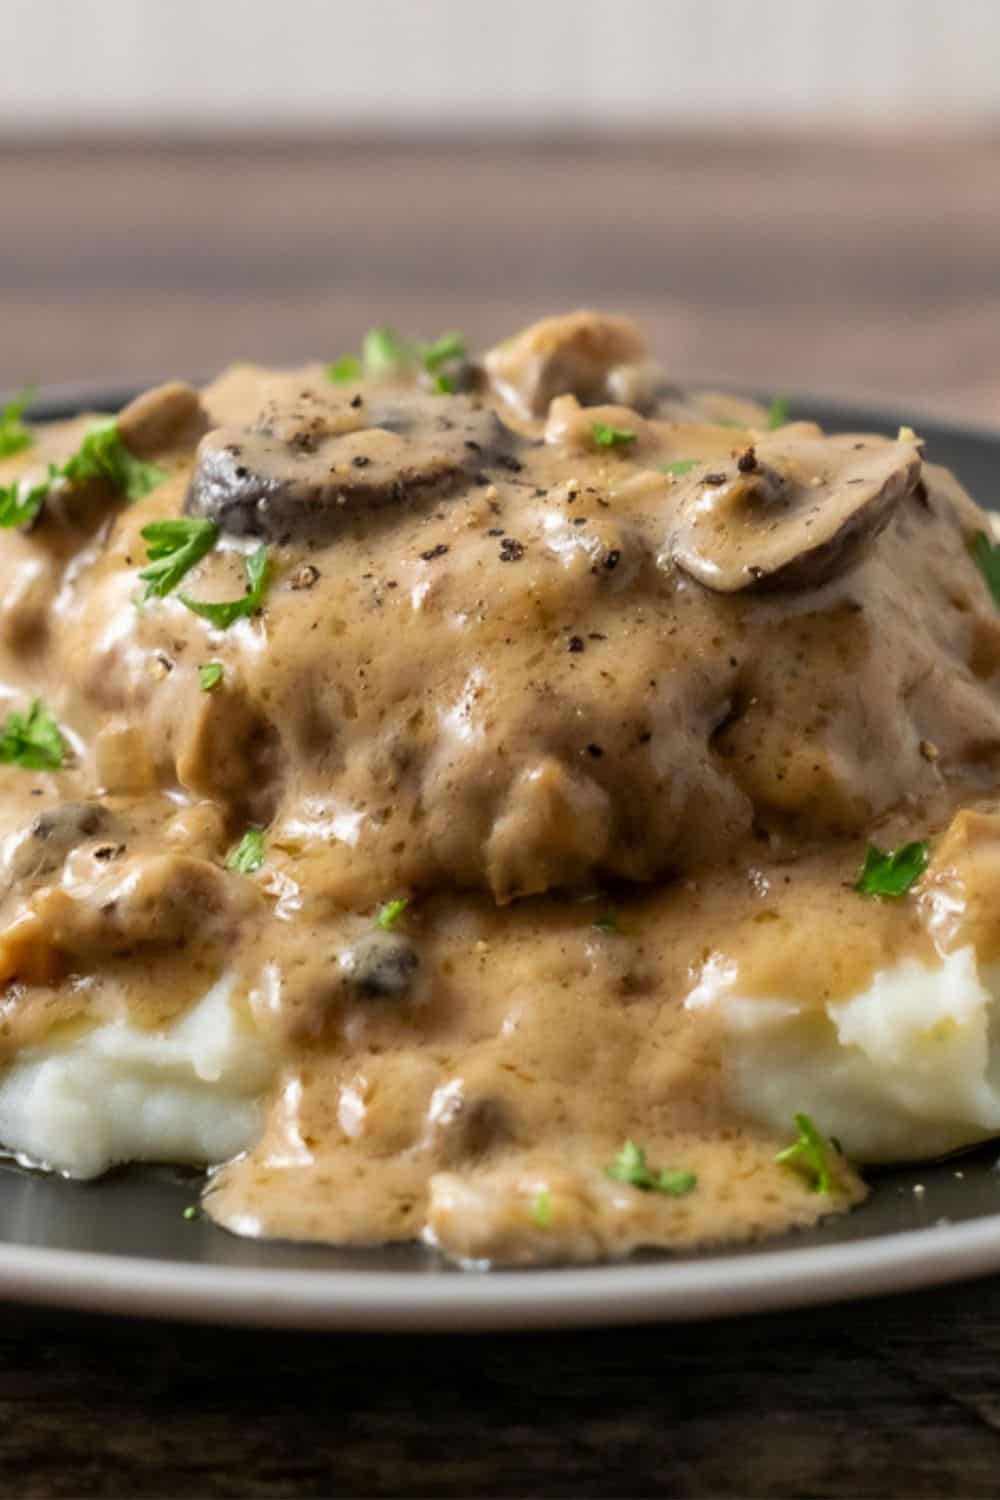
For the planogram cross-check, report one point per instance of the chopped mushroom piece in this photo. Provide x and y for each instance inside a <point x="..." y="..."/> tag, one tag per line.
<point x="805" y="512"/>
<point x="41" y="847"/>
<point x="571" y="355"/>
<point x="380" y="966"/>
<point x="163" y="418"/>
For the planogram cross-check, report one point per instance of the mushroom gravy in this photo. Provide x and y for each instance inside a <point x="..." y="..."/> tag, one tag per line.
<point x="603" y="687"/>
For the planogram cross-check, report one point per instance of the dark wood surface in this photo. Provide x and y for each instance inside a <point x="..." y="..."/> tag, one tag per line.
<point x="860" y="269"/>
<point x="898" y="1397"/>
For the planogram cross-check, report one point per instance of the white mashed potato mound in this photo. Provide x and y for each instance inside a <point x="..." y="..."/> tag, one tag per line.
<point x="907" y="1068"/>
<point x="188" y="1093"/>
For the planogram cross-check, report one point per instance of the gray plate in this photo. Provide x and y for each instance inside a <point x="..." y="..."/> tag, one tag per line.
<point x="123" y="1243"/>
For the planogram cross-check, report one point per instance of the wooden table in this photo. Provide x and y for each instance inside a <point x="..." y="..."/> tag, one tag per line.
<point x="898" y="1397"/>
<point x="864" y="268"/>
<point x="859" y="269"/>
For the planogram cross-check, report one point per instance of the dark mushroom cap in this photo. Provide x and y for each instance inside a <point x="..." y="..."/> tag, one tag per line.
<point x="791" y="513"/>
<point x="303" y="470"/>
<point x="380" y="966"/>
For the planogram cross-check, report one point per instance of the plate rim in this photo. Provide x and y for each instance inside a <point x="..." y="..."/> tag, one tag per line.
<point x="513" y="1300"/>
<point x="112" y="392"/>
<point x="521" y="1300"/>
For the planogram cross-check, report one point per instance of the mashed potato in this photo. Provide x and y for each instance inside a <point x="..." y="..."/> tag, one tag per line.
<point x="190" y="1093"/>
<point x="907" y="1068"/>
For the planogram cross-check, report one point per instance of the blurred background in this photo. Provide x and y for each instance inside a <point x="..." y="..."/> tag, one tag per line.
<point x="792" y="194"/>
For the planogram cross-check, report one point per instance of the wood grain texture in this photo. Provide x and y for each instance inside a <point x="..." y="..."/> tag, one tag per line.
<point x="869" y="269"/>
<point x="898" y="1397"/>
<point x="864" y="268"/>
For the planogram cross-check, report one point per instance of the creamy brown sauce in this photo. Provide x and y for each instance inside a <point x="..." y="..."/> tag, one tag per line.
<point x="523" y="677"/>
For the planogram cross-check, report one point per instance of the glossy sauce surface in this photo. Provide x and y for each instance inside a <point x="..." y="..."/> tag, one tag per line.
<point x="489" y="677"/>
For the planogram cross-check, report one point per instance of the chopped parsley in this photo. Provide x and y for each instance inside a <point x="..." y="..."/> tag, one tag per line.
<point x="680" y="466"/>
<point x="777" y="412"/>
<point x="191" y="1212"/>
<point x="630" y="1166"/>
<point x="606" y="436"/>
<point x="986" y="556"/>
<point x="348" y="367"/>
<point x="809" y="1155"/>
<point x="32" y="740"/>
<point x="17" y="509"/>
<point x="607" y="921"/>
<point x="15" y="436"/>
<point x="891" y="872"/>
<point x="389" y="914"/>
<point x="382" y="353"/>
<point x="103" y="455"/>
<point x="223" y="614"/>
<point x="248" y="854"/>
<point x="442" y="351"/>
<point x="541" y="1209"/>
<point x="173" y="548"/>
<point x="210" y="675"/>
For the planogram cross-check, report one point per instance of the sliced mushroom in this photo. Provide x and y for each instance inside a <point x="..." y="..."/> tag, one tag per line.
<point x="163" y="418"/>
<point x="307" y="467"/>
<point x="464" y="1127"/>
<point x="569" y="355"/>
<point x="791" y="512"/>
<point x="43" y="845"/>
<point x="380" y="966"/>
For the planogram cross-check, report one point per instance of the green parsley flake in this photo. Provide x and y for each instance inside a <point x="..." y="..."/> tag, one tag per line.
<point x="248" y="855"/>
<point x="389" y="914"/>
<point x="191" y="1212"/>
<point x="383" y="354"/>
<point x="32" y="740"/>
<point x="892" y="872"/>
<point x="210" y="675"/>
<point x="541" y="1209"/>
<point x="173" y="549"/>
<point x="442" y="351"/>
<point x="986" y="556"/>
<point x="809" y="1155"/>
<point x="606" y="436"/>
<point x="630" y="1166"/>
<point x="680" y="466"/>
<point x="103" y="455"/>
<point x="348" y="367"/>
<point x="223" y="615"/>
<point x="15" y="436"/>
<point x="777" y="413"/>
<point x="17" y="509"/>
